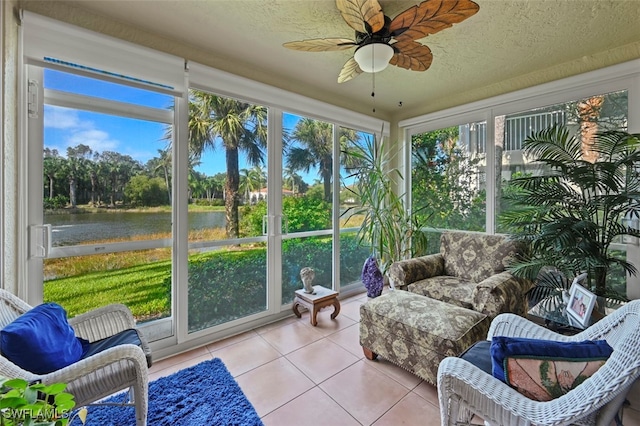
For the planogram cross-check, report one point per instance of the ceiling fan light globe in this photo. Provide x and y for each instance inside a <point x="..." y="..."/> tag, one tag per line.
<point x="373" y="57"/>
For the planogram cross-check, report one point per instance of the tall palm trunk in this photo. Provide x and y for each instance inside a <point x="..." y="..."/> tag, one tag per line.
<point x="166" y="181"/>
<point x="72" y="190"/>
<point x="50" y="185"/>
<point x="94" y="180"/>
<point x="500" y="122"/>
<point x="589" y="112"/>
<point x="326" y="181"/>
<point x="231" y="200"/>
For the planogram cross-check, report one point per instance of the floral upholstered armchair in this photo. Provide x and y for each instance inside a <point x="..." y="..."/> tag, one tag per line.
<point x="470" y="272"/>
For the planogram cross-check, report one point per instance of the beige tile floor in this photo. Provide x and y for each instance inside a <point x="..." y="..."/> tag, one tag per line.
<point x="297" y="374"/>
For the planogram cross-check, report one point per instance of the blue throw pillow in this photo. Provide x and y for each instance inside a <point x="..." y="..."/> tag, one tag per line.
<point x="41" y="340"/>
<point x="546" y="369"/>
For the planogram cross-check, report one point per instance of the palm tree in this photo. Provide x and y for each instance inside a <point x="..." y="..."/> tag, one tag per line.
<point x="572" y="213"/>
<point x="252" y="180"/>
<point x="316" y="138"/>
<point x="118" y="169"/>
<point x="76" y="168"/>
<point x="52" y="166"/>
<point x="211" y="187"/>
<point x="164" y="165"/>
<point x="239" y="127"/>
<point x="292" y="180"/>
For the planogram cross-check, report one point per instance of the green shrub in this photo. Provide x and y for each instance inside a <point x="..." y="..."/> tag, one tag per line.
<point x="303" y="214"/>
<point x="144" y="191"/>
<point x="352" y="257"/>
<point x="226" y="285"/>
<point x="206" y="202"/>
<point x="316" y="252"/>
<point x="58" y="202"/>
<point x="297" y="253"/>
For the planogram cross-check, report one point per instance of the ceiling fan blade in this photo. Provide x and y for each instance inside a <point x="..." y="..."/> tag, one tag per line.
<point x="321" y="44"/>
<point x="411" y="55"/>
<point x="349" y="70"/>
<point x="429" y="17"/>
<point x="362" y="13"/>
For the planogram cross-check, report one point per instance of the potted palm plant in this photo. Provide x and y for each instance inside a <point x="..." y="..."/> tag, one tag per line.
<point x="388" y="228"/>
<point x="573" y="212"/>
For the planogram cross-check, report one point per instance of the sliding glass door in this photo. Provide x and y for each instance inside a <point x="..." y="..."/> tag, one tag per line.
<point x="101" y="195"/>
<point x="227" y="204"/>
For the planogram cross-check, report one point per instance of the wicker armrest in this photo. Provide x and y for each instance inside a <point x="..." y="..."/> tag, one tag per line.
<point x="101" y="360"/>
<point x="103" y="322"/>
<point x="461" y="385"/>
<point x="516" y="326"/>
<point x="86" y="369"/>
<point x="405" y="272"/>
<point x="104" y="373"/>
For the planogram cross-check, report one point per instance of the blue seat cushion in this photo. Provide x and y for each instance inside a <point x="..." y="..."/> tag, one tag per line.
<point x="129" y="336"/>
<point x="479" y="354"/>
<point x="41" y="340"/>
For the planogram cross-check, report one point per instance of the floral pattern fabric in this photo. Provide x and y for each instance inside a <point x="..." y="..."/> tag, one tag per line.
<point x="451" y="298"/>
<point x="447" y="289"/>
<point x="547" y="379"/>
<point x="417" y="332"/>
<point x="475" y="257"/>
<point x="405" y="272"/>
<point x="469" y="272"/>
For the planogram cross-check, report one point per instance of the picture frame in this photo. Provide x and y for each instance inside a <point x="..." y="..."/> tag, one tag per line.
<point x="581" y="303"/>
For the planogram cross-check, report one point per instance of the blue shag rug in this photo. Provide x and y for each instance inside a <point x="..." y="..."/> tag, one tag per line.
<point x="205" y="394"/>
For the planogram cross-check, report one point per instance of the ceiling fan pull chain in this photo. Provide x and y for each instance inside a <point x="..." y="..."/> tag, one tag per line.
<point x="373" y="91"/>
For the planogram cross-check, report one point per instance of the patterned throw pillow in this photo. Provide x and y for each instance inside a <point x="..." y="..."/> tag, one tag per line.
<point x="544" y="370"/>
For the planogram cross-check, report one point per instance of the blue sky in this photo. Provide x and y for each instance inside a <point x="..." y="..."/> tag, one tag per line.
<point x="64" y="127"/>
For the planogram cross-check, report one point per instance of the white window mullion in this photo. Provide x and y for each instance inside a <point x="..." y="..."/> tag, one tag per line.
<point x="335" y="214"/>
<point x="180" y="211"/>
<point x="31" y="205"/>
<point x="106" y="106"/>
<point x="275" y="214"/>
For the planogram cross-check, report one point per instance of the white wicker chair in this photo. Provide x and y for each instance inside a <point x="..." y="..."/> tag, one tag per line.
<point x="465" y="390"/>
<point x="100" y="375"/>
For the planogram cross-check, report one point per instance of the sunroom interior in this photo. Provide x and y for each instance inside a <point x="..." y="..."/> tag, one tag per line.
<point x="513" y="59"/>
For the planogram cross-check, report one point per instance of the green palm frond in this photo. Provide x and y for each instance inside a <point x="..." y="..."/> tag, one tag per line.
<point x="572" y="213"/>
<point x="388" y="228"/>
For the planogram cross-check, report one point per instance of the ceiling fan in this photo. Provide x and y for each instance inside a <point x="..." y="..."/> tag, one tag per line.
<point x="380" y="40"/>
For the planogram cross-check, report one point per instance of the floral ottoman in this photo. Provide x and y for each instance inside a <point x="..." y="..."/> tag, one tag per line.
<point x="417" y="332"/>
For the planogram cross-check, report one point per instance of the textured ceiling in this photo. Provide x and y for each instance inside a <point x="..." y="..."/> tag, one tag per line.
<point x="507" y="45"/>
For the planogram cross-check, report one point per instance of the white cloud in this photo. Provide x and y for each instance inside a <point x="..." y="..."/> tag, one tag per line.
<point x="76" y="131"/>
<point x="63" y="118"/>
<point x="97" y="140"/>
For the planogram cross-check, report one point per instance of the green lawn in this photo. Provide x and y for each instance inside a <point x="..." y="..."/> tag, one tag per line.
<point x="142" y="288"/>
<point x="222" y="284"/>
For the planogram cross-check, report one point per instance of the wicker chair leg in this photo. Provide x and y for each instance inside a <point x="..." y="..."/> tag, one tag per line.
<point x="139" y="396"/>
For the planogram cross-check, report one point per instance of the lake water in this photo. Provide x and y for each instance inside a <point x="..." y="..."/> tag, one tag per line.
<point x="71" y="229"/>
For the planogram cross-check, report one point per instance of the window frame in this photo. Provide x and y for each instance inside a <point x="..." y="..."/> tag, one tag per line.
<point x="624" y="76"/>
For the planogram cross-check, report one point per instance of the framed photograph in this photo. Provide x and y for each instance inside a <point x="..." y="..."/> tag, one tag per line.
<point x="581" y="302"/>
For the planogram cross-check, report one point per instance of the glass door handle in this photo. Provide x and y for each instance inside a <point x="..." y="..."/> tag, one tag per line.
<point x="284" y="224"/>
<point x="40" y="240"/>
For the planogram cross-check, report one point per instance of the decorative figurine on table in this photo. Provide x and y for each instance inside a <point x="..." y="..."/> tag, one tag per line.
<point x="307" y="274"/>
